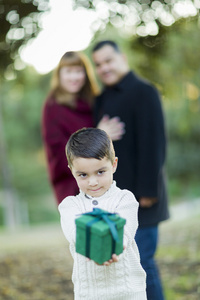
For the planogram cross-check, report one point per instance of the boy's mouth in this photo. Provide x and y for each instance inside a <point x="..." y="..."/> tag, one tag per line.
<point x="95" y="190"/>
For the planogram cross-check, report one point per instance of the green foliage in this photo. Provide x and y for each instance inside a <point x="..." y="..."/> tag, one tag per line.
<point x="22" y="102"/>
<point x="43" y="209"/>
<point x="183" y="102"/>
<point x="144" y="17"/>
<point x="19" y="23"/>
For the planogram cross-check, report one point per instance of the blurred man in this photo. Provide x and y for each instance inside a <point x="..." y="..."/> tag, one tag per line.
<point x="141" y="151"/>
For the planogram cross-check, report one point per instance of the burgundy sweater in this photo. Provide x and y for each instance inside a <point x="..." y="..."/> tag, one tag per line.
<point x="58" y="123"/>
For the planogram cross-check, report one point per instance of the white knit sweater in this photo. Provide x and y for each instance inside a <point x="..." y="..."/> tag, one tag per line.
<point x="123" y="280"/>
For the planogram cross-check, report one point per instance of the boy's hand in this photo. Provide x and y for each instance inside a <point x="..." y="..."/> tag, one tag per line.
<point x="114" y="259"/>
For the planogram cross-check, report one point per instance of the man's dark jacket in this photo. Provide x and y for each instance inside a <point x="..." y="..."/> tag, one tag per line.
<point x="142" y="149"/>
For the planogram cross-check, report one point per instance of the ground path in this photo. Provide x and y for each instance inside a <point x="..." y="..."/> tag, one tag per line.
<point x="35" y="263"/>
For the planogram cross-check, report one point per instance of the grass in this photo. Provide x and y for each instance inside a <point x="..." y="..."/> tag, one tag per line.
<point x="179" y="258"/>
<point x="181" y="190"/>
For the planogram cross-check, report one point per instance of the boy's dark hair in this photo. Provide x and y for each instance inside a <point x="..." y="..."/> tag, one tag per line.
<point x="101" y="44"/>
<point x="89" y="143"/>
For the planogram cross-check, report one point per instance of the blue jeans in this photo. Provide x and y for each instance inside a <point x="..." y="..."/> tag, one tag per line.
<point x="147" y="239"/>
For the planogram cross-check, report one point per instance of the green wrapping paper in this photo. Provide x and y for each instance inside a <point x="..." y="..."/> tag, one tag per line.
<point x="99" y="234"/>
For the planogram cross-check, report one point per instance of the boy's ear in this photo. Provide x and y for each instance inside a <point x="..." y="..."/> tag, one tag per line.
<point x="71" y="170"/>
<point x="115" y="164"/>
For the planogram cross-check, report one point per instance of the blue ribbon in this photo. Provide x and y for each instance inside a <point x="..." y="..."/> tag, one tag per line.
<point x="101" y="215"/>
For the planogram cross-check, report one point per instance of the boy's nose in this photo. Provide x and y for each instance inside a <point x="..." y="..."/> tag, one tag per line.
<point x="93" y="181"/>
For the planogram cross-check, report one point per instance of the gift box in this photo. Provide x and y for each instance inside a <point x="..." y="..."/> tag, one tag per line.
<point x="99" y="234"/>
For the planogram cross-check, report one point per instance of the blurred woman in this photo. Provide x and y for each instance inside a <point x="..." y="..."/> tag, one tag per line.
<point x="68" y="108"/>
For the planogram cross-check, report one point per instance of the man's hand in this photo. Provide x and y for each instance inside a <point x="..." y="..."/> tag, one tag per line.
<point x="113" y="127"/>
<point x="147" y="202"/>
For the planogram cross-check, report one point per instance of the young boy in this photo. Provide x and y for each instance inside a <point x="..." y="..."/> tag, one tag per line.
<point x="92" y="161"/>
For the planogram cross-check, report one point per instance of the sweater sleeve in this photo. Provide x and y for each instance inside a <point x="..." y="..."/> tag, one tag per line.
<point x="69" y="211"/>
<point x="128" y="209"/>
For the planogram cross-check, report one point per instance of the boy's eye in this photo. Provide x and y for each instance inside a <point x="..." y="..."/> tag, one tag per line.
<point x="83" y="175"/>
<point x="101" y="172"/>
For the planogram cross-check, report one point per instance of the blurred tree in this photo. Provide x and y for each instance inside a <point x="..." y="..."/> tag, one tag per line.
<point x="141" y="17"/>
<point x="19" y="22"/>
<point x="21" y="102"/>
<point x="9" y="200"/>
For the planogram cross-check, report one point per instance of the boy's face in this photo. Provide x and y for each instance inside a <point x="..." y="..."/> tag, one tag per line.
<point x="94" y="177"/>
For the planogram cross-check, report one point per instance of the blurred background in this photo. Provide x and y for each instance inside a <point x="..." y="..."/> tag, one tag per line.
<point x="162" y="42"/>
